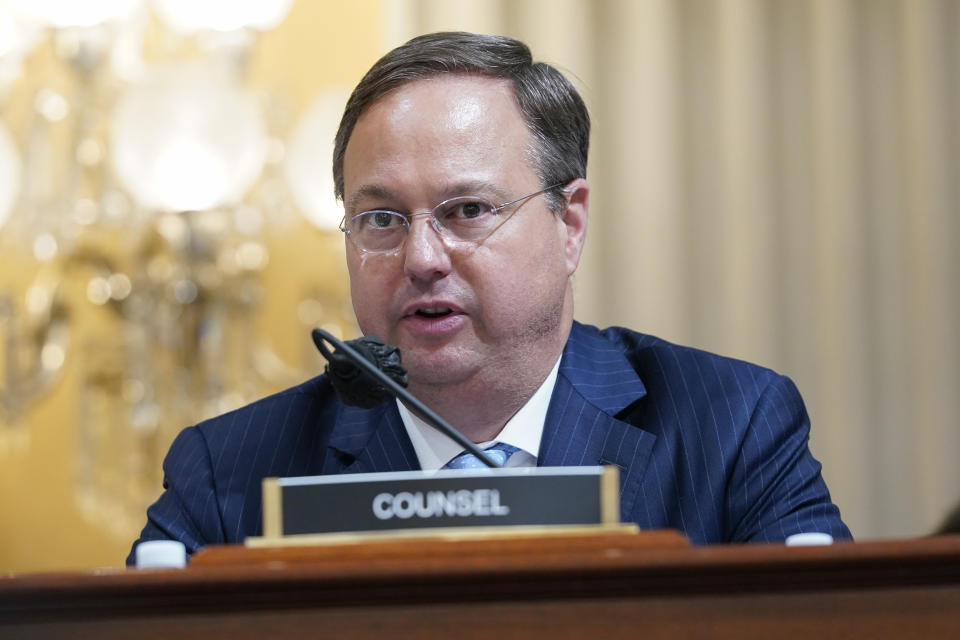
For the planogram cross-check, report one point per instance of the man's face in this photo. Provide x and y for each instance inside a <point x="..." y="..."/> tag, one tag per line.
<point x="459" y="312"/>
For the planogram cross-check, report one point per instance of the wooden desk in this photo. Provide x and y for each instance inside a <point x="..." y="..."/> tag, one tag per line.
<point x="601" y="586"/>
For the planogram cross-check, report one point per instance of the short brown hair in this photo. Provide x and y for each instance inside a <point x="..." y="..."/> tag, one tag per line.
<point x="553" y="110"/>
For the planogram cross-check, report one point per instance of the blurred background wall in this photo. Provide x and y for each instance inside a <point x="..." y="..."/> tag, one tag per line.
<point x="776" y="180"/>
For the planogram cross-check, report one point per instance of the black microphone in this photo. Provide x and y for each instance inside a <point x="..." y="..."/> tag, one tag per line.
<point x="366" y="372"/>
<point x="353" y="385"/>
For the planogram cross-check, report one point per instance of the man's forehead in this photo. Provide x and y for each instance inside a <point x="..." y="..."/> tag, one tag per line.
<point x="468" y="94"/>
<point x="466" y="123"/>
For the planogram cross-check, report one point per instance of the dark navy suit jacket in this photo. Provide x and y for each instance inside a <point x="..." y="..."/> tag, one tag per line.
<point x="714" y="447"/>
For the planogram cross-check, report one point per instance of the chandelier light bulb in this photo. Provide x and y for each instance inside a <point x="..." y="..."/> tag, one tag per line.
<point x="9" y="35"/>
<point x="187" y="17"/>
<point x="187" y="138"/>
<point x="10" y="171"/>
<point x="308" y="165"/>
<point x="62" y="14"/>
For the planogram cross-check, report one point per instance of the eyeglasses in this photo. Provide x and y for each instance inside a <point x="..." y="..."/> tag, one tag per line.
<point x="462" y="219"/>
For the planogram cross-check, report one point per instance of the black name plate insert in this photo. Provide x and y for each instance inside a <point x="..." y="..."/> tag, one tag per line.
<point x="463" y="498"/>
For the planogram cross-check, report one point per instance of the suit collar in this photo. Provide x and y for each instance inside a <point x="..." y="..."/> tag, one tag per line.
<point x="370" y="440"/>
<point x="596" y="384"/>
<point x="599" y="370"/>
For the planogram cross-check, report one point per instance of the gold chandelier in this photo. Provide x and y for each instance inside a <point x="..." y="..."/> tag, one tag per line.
<point x="136" y="209"/>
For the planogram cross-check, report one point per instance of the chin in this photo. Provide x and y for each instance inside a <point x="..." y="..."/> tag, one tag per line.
<point x="438" y="367"/>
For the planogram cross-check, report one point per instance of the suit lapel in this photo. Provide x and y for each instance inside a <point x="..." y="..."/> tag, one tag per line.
<point x="595" y="383"/>
<point x="370" y="440"/>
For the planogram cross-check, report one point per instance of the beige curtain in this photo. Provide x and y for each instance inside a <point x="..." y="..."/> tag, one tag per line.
<point x="778" y="180"/>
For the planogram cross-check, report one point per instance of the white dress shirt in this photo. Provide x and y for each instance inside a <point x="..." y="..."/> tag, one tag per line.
<point x="524" y="431"/>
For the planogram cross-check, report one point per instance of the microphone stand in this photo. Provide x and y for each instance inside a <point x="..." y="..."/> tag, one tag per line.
<point x="421" y="410"/>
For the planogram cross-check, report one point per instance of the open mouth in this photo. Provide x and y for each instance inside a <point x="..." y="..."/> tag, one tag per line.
<point x="434" y="312"/>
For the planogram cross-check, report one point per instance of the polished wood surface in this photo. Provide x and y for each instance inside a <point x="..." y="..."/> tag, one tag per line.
<point x="647" y="585"/>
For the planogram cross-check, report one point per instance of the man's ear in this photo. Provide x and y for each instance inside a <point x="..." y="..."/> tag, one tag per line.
<point x="574" y="218"/>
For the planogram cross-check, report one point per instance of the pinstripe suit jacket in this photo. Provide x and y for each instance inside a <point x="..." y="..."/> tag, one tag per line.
<point x="714" y="447"/>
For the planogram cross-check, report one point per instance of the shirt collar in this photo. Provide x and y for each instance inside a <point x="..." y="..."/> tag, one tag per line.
<point x="523" y="430"/>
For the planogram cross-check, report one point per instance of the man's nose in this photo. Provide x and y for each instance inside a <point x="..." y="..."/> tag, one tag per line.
<point x="426" y="256"/>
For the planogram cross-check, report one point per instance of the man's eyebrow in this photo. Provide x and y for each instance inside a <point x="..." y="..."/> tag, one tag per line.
<point x="473" y="188"/>
<point x="374" y="191"/>
<point x="453" y="190"/>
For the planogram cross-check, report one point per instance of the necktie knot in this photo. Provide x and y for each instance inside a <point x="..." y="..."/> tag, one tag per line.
<point x="499" y="452"/>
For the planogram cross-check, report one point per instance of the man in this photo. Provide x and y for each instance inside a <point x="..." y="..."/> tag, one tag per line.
<point x="462" y="167"/>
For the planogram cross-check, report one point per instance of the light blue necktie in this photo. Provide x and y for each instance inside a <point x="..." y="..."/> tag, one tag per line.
<point x="499" y="452"/>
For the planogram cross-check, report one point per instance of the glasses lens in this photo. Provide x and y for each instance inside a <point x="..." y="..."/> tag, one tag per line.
<point x="467" y="218"/>
<point x="377" y="230"/>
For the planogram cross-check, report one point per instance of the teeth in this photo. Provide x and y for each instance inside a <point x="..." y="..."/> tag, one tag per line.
<point x="434" y="311"/>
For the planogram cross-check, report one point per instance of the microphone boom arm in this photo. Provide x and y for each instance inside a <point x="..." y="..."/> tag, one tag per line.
<point x="421" y="410"/>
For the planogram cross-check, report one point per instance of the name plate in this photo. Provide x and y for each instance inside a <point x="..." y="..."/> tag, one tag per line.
<point x="418" y="500"/>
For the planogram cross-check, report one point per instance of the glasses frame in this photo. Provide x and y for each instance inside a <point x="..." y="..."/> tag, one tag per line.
<point x="435" y="222"/>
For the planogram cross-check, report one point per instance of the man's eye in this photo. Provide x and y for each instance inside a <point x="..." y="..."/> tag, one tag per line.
<point x="466" y="210"/>
<point x="382" y="219"/>
<point x="472" y="209"/>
